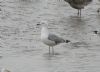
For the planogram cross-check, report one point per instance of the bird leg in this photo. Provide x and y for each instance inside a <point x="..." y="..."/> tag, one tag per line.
<point x="49" y="49"/>
<point x="52" y="50"/>
<point x="79" y="12"/>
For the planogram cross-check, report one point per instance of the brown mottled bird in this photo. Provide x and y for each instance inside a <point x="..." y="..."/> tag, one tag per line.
<point x="78" y="4"/>
<point x="50" y="39"/>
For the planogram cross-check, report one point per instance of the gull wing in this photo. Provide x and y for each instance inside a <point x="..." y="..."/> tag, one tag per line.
<point x="55" y="38"/>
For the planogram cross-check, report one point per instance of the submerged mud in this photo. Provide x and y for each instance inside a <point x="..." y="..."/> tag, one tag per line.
<point x="21" y="49"/>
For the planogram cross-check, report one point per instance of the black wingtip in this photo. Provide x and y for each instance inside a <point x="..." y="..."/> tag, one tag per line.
<point x="67" y="41"/>
<point x="95" y="32"/>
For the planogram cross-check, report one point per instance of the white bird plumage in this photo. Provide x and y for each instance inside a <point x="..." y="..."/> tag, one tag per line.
<point x="48" y="38"/>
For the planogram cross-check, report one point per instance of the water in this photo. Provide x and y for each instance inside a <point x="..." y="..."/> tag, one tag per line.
<point x="21" y="49"/>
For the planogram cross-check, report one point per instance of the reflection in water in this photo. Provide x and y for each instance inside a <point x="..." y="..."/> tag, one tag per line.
<point x="51" y="56"/>
<point x="98" y="19"/>
<point x="76" y="22"/>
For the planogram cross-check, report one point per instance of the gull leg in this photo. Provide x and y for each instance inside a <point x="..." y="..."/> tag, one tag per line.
<point x="49" y="49"/>
<point x="52" y="50"/>
<point x="78" y="12"/>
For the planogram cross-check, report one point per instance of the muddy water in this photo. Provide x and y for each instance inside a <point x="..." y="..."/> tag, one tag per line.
<point x="21" y="49"/>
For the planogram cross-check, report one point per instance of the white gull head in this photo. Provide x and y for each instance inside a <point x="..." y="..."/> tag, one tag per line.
<point x="44" y="23"/>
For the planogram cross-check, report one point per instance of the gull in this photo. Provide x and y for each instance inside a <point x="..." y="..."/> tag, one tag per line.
<point x="50" y="39"/>
<point x="78" y="4"/>
<point x="4" y="70"/>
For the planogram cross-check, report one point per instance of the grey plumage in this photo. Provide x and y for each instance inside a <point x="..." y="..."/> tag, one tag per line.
<point x="50" y="39"/>
<point x="55" y="38"/>
<point x="78" y="4"/>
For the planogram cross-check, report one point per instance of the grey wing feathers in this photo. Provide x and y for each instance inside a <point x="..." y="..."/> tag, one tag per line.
<point x="55" y="38"/>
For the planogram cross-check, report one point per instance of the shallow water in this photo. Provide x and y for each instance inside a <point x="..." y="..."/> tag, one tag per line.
<point x="21" y="49"/>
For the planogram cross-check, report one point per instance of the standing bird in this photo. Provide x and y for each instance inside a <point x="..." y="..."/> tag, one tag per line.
<point x="50" y="39"/>
<point x="78" y="4"/>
